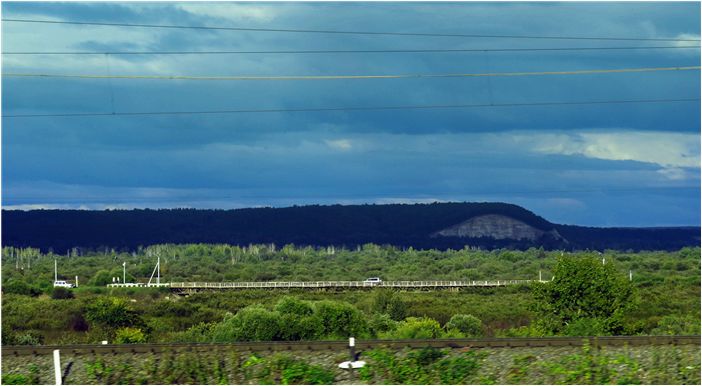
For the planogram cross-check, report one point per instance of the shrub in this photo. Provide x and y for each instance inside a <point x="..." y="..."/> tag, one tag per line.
<point x="14" y="286"/>
<point x="294" y="306"/>
<point x="15" y="379"/>
<point x="129" y="335"/>
<point x="469" y="325"/>
<point x="678" y="325"/>
<point x="416" y="328"/>
<point x="380" y="323"/>
<point x="253" y="323"/>
<point x="62" y="293"/>
<point x="340" y="319"/>
<point x="112" y="312"/>
<point x="101" y="278"/>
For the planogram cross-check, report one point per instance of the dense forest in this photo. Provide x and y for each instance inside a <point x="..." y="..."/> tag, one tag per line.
<point x="398" y="225"/>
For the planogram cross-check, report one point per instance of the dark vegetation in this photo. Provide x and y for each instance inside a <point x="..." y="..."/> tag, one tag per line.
<point x="398" y="225"/>
<point x="585" y="297"/>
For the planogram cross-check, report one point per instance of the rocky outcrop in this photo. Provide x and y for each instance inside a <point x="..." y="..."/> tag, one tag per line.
<point x="497" y="227"/>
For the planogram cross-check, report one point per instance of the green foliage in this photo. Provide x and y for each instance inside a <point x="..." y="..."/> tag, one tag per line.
<point x="129" y="335"/>
<point x="15" y="379"/>
<point x="386" y="301"/>
<point x="457" y="370"/>
<point x="380" y="323"/>
<point x="678" y="325"/>
<point x="200" y="333"/>
<point x="62" y="293"/>
<point x="668" y="281"/>
<point x="294" y="306"/>
<point x="101" y="278"/>
<point x="591" y="366"/>
<point x="469" y="325"/>
<point x="253" y="323"/>
<point x="583" y="288"/>
<point x="20" y="287"/>
<point x="423" y="366"/>
<point x="298" y="372"/>
<point x="416" y="328"/>
<point x="112" y="312"/>
<point x="340" y="320"/>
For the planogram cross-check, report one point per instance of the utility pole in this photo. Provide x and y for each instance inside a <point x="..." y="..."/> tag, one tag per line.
<point x="158" y="270"/>
<point x="55" y="271"/>
<point x="124" y="272"/>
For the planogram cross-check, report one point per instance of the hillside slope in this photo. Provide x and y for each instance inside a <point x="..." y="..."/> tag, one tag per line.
<point x="419" y="226"/>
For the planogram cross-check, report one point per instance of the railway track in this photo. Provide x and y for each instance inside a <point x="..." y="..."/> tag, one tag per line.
<point x="360" y="345"/>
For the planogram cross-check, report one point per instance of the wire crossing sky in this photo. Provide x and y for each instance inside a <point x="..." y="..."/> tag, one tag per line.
<point x="332" y="77"/>
<point x="195" y="27"/>
<point x="585" y="113"/>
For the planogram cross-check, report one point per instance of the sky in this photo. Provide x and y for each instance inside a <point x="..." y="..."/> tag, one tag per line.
<point x="605" y="164"/>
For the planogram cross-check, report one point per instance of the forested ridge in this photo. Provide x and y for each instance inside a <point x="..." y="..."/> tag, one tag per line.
<point x="397" y="224"/>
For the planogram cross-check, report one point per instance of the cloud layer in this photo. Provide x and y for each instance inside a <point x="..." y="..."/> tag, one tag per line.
<point x="603" y="164"/>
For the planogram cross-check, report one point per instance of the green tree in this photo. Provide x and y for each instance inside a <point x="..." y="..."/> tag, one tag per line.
<point x="20" y="287"/>
<point x="340" y="319"/>
<point x="388" y="302"/>
<point x="113" y="312"/>
<point x="469" y="325"/>
<point x="583" y="290"/>
<point x="101" y="278"/>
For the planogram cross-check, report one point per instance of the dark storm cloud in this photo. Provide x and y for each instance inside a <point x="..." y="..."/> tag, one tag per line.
<point x="231" y="160"/>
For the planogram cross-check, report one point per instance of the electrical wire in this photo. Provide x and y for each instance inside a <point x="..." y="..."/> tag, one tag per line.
<point x="371" y="108"/>
<point x="382" y="51"/>
<point x="333" y="77"/>
<point x="344" y="32"/>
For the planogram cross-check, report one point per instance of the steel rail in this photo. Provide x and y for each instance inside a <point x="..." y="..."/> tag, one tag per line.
<point x="600" y="341"/>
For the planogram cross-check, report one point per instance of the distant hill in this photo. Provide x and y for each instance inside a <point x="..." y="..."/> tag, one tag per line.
<point x="438" y="225"/>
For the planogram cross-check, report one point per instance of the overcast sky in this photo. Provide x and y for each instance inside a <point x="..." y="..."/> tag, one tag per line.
<point x="633" y="164"/>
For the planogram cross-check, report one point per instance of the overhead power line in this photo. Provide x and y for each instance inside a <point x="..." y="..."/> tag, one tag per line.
<point x="332" y="77"/>
<point x="370" y="108"/>
<point x="381" y="51"/>
<point x="345" y="32"/>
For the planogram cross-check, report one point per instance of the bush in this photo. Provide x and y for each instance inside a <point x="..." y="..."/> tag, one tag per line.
<point x="112" y="312"/>
<point x="469" y="325"/>
<point x="678" y="325"/>
<point x="294" y="306"/>
<point x="340" y="320"/>
<point x="14" y="286"/>
<point x="15" y="379"/>
<point x="416" y="328"/>
<point x="129" y="335"/>
<point x="380" y="323"/>
<point x="388" y="302"/>
<point x="101" y="278"/>
<point x="62" y="293"/>
<point x="253" y="323"/>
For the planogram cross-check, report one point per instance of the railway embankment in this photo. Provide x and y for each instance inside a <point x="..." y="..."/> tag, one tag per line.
<point x="626" y="360"/>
